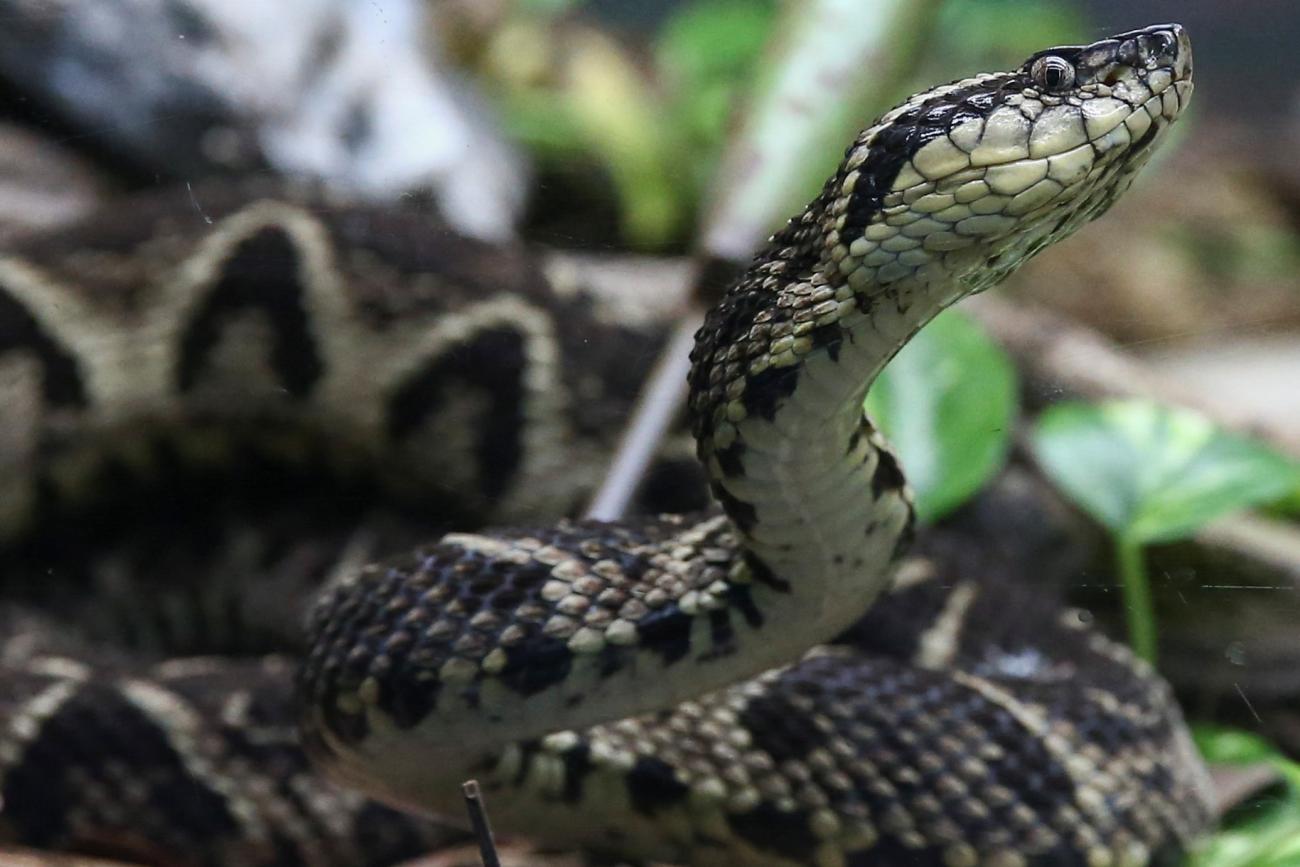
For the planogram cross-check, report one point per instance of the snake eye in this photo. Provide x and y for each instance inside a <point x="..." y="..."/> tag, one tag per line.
<point x="1053" y="74"/>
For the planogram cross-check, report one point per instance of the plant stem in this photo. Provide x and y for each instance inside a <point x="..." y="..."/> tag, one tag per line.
<point x="1137" y="598"/>
<point x="478" y="819"/>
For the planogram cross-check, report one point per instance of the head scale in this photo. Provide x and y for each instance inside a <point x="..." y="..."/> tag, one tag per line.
<point x="943" y="196"/>
<point x="969" y="180"/>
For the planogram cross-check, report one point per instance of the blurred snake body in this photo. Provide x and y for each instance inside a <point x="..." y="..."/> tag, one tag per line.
<point x="711" y="688"/>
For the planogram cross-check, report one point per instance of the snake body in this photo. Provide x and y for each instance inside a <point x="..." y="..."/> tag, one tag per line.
<point x="211" y="408"/>
<point x="708" y="687"/>
<point x="570" y="642"/>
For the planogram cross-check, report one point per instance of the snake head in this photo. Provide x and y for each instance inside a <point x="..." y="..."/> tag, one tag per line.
<point x="943" y="196"/>
<point x="963" y="183"/>
<point x="1124" y="64"/>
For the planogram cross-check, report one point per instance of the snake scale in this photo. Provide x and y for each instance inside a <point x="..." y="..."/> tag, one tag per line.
<point x="711" y="687"/>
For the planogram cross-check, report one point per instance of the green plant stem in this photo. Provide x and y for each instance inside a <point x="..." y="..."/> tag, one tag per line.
<point x="1137" y="597"/>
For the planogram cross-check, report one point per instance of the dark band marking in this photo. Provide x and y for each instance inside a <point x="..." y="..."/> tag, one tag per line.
<point x="906" y="537"/>
<point x="896" y="144"/>
<point x="887" y="475"/>
<point x="742" y="599"/>
<point x="1146" y="138"/>
<point x="730" y="459"/>
<point x="722" y="635"/>
<point x="763" y="574"/>
<point x="666" y="632"/>
<point x="577" y="766"/>
<point x="890" y="151"/>
<point x="652" y="786"/>
<point x="888" y="851"/>
<point x="611" y="660"/>
<point x="831" y="338"/>
<point x="40" y="786"/>
<point x="408" y="701"/>
<point x="264" y="274"/>
<point x="766" y="390"/>
<point x="742" y="514"/>
<point x="528" y="751"/>
<point x="61" y="383"/>
<point x="536" y="665"/>
<point x="769" y="829"/>
<point x="491" y="363"/>
<point x="854" y="439"/>
<point x="779" y="728"/>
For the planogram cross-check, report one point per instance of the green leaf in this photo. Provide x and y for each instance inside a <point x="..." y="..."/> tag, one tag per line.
<point x="714" y="40"/>
<point x="1152" y="473"/>
<point x="1232" y="746"/>
<point x="706" y="55"/>
<point x="947" y="403"/>
<point x="1267" y="832"/>
<point x="1271" y="838"/>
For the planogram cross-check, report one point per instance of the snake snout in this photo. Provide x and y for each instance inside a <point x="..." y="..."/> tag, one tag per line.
<point x="1164" y="45"/>
<point x="1154" y="57"/>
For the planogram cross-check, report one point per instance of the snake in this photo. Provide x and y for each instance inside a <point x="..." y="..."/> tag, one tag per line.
<point x="769" y="680"/>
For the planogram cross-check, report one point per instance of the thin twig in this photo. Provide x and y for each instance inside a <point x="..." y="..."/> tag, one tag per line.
<point x="661" y="398"/>
<point x="1234" y="785"/>
<point x="478" y="819"/>
<point x="835" y="62"/>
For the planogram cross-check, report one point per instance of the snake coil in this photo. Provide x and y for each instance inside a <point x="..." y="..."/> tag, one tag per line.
<point x="205" y="422"/>
<point x="664" y="688"/>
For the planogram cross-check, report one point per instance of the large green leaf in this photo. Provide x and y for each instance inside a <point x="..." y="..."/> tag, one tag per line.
<point x="1151" y="473"/>
<point x="947" y="403"/>
<point x="1264" y="833"/>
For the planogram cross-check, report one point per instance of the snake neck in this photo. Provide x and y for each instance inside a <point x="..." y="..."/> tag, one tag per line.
<point x="609" y="615"/>
<point x="813" y="489"/>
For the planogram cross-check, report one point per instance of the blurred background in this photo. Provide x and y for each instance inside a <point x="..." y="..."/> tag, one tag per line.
<point x="601" y="124"/>
<point x="634" y="133"/>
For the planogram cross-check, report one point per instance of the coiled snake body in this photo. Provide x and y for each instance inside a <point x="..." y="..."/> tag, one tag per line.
<point x="707" y="687"/>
